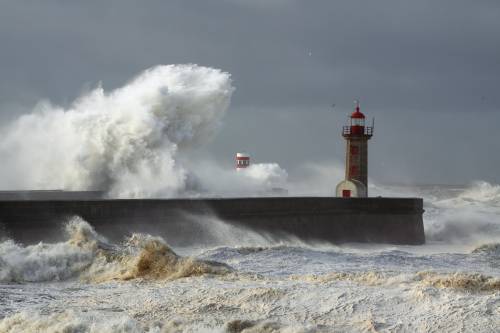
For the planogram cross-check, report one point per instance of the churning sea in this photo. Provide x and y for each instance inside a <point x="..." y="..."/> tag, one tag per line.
<point x="244" y="283"/>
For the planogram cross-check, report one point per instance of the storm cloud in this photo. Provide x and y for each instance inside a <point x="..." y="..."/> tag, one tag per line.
<point x="428" y="71"/>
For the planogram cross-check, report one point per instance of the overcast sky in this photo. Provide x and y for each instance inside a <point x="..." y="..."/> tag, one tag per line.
<point x="427" y="70"/>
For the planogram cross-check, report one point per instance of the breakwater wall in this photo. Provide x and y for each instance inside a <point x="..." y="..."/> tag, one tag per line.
<point x="187" y="221"/>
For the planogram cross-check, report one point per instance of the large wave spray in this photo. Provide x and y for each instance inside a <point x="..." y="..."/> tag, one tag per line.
<point x="468" y="217"/>
<point x="125" y="141"/>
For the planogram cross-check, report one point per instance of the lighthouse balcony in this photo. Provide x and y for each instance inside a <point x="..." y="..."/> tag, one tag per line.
<point x="353" y="131"/>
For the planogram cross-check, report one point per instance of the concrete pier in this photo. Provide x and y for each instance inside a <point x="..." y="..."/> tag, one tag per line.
<point x="185" y="222"/>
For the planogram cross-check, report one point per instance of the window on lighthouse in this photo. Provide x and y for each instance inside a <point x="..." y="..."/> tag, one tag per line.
<point x="357" y="122"/>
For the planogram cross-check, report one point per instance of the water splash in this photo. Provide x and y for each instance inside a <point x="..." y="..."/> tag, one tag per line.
<point x="125" y="142"/>
<point x="86" y="255"/>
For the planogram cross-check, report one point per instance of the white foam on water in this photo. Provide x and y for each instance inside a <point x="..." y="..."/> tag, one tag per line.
<point x="348" y="301"/>
<point x="456" y="219"/>
<point x="144" y="286"/>
<point x="470" y="218"/>
<point x="76" y="322"/>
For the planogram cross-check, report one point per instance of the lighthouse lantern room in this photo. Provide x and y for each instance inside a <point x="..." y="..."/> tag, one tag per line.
<point x="356" y="135"/>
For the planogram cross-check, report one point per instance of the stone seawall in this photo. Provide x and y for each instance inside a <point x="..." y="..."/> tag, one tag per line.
<point x="186" y="222"/>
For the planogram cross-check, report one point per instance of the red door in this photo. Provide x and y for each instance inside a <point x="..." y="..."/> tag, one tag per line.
<point x="346" y="193"/>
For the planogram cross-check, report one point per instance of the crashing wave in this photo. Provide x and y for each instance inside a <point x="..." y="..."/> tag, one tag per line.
<point x="469" y="217"/>
<point x="86" y="255"/>
<point x="150" y="257"/>
<point x="490" y="248"/>
<point x="50" y="262"/>
<point x="125" y="142"/>
<point x="132" y="142"/>
<point x="482" y="192"/>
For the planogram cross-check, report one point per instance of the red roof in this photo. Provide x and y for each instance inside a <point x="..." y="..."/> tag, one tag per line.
<point x="357" y="114"/>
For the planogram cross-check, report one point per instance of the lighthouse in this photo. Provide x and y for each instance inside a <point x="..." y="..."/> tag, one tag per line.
<point x="356" y="135"/>
<point x="242" y="161"/>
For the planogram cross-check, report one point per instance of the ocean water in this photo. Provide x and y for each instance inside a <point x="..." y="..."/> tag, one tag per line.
<point x="243" y="283"/>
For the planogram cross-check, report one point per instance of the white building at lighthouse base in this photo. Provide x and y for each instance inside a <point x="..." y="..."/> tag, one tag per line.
<point x="351" y="188"/>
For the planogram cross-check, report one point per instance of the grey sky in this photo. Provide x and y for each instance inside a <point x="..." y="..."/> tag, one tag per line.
<point x="429" y="71"/>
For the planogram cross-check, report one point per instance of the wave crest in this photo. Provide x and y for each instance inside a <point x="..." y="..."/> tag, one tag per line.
<point x="470" y="216"/>
<point x="156" y="260"/>
<point x="490" y="248"/>
<point x="482" y="191"/>
<point x="88" y="256"/>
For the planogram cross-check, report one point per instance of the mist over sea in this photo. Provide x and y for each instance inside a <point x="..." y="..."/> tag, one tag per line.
<point x="137" y="142"/>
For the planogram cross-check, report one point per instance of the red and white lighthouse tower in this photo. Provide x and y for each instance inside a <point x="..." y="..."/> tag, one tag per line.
<point x="356" y="135"/>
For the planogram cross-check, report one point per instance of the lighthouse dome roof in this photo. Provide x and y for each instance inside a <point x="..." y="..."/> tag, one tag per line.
<point x="357" y="114"/>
